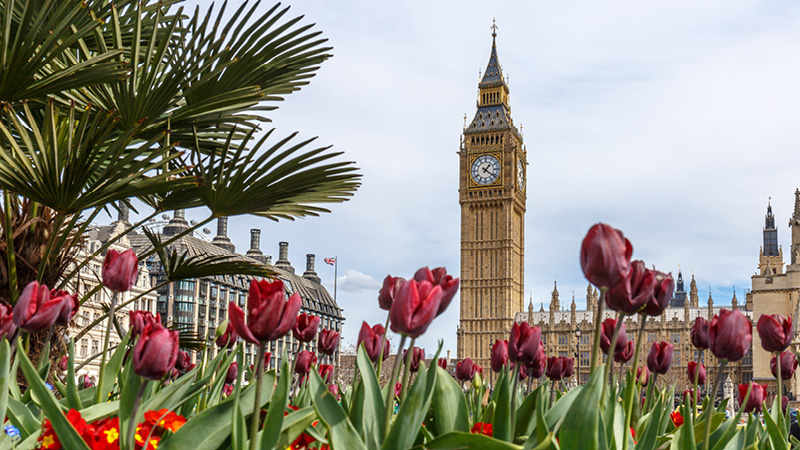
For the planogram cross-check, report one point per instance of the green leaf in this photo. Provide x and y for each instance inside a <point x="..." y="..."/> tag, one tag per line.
<point x="5" y="375"/>
<point x="449" y="404"/>
<point x="343" y="434"/>
<point x="112" y="367"/>
<point x="22" y="417"/>
<point x="294" y="424"/>
<point x="412" y="411"/>
<point x="127" y="398"/>
<point x="215" y="393"/>
<point x="776" y="438"/>
<point x="373" y="412"/>
<point x="73" y="399"/>
<point x="468" y="441"/>
<point x="584" y="415"/>
<point x="274" y="419"/>
<point x="501" y="422"/>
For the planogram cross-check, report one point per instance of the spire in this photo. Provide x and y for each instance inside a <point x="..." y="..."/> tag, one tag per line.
<point x="794" y="223"/>
<point x="797" y="204"/>
<point x="493" y="75"/>
<point x="589" y="298"/>
<point x="555" y="305"/>
<point x="710" y="304"/>
<point x="734" y="301"/>
<point x="679" y="298"/>
<point x="693" y="297"/>
<point x="770" y="247"/>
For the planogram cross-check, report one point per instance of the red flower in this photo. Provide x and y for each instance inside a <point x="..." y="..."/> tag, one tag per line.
<point x="482" y="428"/>
<point x="758" y="393"/>
<point x="398" y="389"/>
<point x="625" y="354"/>
<point x="499" y="355"/>
<point x="269" y="314"/>
<point x="699" y="370"/>
<point x="700" y="333"/>
<point x="660" y="357"/>
<point x="439" y="277"/>
<point x="662" y="294"/>
<point x="106" y="434"/>
<point x="326" y="372"/>
<point x="524" y="343"/>
<point x="140" y="319"/>
<point x="371" y="338"/>
<point x="788" y="365"/>
<point x="49" y="439"/>
<point x="634" y="292"/>
<point x="415" y="307"/>
<point x="775" y="332"/>
<point x="233" y="373"/>
<point x="35" y="309"/>
<point x="387" y="293"/>
<point x="442" y="362"/>
<point x="228" y="338"/>
<point x="165" y="418"/>
<point x="120" y="269"/>
<point x="465" y="369"/>
<point x="155" y="352"/>
<point x="69" y="306"/>
<point x="417" y="356"/>
<point x="328" y="341"/>
<point x="642" y="375"/>
<point x="305" y="330"/>
<point x="730" y="335"/>
<point x="304" y="361"/>
<point x="7" y="325"/>
<point x="605" y="256"/>
<point x="677" y="418"/>
<point x="607" y="332"/>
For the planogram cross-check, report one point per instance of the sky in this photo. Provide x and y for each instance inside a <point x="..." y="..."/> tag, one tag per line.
<point x="675" y="122"/>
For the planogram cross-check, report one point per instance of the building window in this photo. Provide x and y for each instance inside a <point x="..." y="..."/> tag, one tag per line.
<point x="563" y="339"/>
<point x="675" y="337"/>
<point x="84" y="347"/>
<point x="676" y="357"/>
<point x="95" y="347"/>
<point x="585" y="358"/>
<point x="586" y="339"/>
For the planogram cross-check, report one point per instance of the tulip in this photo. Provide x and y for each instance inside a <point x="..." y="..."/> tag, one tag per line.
<point x="730" y="335"/>
<point x="442" y="362"/>
<point x="662" y="294"/>
<point x="304" y="361"/>
<point x="605" y="256"/>
<point x="85" y="382"/>
<point x="691" y="395"/>
<point x="569" y="366"/>
<point x="270" y="314"/>
<point x="326" y="372"/>
<point x="7" y="325"/>
<point x="267" y="358"/>
<point x="465" y="370"/>
<point x="642" y="376"/>
<point x="35" y="309"/>
<point x="69" y="306"/>
<point x="388" y="292"/>
<point x="556" y="367"/>
<point x="439" y="277"/>
<point x="499" y="355"/>
<point x="233" y="373"/>
<point x="305" y="330"/>
<point x="63" y="363"/>
<point x="140" y="319"/>
<point x="371" y="338"/>
<point x="784" y="403"/>
<point x="328" y="341"/>
<point x="417" y="356"/>
<point x="524" y="343"/>
<point x="607" y="333"/>
<point x="155" y="352"/>
<point x="625" y="354"/>
<point x="415" y="307"/>
<point x="677" y="418"/>
<point x="698" y="370"/>
<point x="758" y="393"/>
<point x="538" y="365"/>
<point x="477" y="376"/>
<point x="334" y="390"/>
<point x="788" y="365"/>
<point x="227" y="338"/>
<point x="227" y="390"/>
<point x="634" y="292"/>
<point x="120" y="270"/>
<point x="775" y="332"/>
<point x="660" y="357"/>
<point x="398" y="389"/>
<point x="183" y="362"/>
<point x="700" y="333"/>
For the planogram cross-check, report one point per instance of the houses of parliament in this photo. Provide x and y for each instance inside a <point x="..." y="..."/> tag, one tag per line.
<point x="492" y="194"/>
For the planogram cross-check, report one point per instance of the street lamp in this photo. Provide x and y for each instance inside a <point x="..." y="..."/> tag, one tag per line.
<point x="578" y="358"/>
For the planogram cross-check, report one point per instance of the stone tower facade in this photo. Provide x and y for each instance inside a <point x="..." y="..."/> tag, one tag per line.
<point x="492" y="182"/>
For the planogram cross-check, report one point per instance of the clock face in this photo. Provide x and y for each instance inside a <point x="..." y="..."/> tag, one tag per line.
<point x="485" y="169"/>
<point x="521" y="175"/>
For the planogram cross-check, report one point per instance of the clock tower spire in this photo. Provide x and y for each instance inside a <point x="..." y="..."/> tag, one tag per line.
<point x="493" y="165"/>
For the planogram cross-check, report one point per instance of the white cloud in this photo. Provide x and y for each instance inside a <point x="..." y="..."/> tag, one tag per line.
<point x="355" y="281"/>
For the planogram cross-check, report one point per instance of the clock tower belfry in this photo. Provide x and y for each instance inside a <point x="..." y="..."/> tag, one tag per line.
<point x="492" y="195"/>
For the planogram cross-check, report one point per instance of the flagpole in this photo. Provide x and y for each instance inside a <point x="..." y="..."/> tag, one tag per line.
<point x="335" y="276"/>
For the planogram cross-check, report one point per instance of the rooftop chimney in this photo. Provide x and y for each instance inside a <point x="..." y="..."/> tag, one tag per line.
<point x="310" y="274"/>
<point x="221" y="239"/>
<point x="283" y="258"/>
<point x="255" y="243"/>
<point x="124" y="213"/>
<point x="177" y="224"/>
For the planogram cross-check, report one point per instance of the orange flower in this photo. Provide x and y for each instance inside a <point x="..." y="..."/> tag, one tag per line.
<point x="165" y="418"/>
<point x="49" y="439"/>
<point x="677" y="418"/>
<point x="145" y="437"/>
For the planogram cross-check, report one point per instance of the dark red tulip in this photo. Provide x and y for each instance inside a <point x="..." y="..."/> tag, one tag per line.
<point x="304" y="361"/>
<point x="696" y="369"/>
<point x="465" y="370"/>
<point x="183" y="362"/>
<point x="398" y="389"/>
<point x="85" y="382"/>
<point x="523" y="371"/>
<point x="642" y="375"/>
<point x="660" y="357"/>
<point x="334" y="390"/>
<point x="155" y="352"/>
<point x="371" y="338"/>
<point x="691" y="395"/>
<point x="227" y="390"/>
<point x="270" y="315"/>
<point x="305" y="330"/>
<point x="536" y="368"/>
<point x="328" y="341"/>
<point x="442" y="363"/>
<point x="569" y="366"/>
<point x="662" y="294"/>
<point x="63" y="363"/>
<point x="607" y="332"/>
<point x="387" y="293"/>
<point x="120" y="269"/>
<point x="7" y="325"/>
<point x="415" y="307"/>
<point x="417" y="356"/>
<point x="788" y="365"/>
<point x="326" y="372"/>
<point x="439" y="277"/>
<point x="556" y="367"/>
<point x="233" y="373"/>
<point x="267" y="357"/>
<point x="730" y="335"/>
<point x="228" y="338"/>
<point x="758" y="393"/>
<point x="140" y="319"/>
<point x="634" y="292"/>
<point x="625" y="354"/>
<point x="700" y="333"/>
<point x="784" y="403"/>
<point x="69" y="306"/>
<point x="605" y="256"/>
<point x="499" y="355"/>
<point x="524" y="343"/>
<point x="35" y="309"/>
<point x="775" y="332"/>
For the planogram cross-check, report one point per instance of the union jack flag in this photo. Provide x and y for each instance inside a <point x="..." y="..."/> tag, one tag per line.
<point x="331" y="261"/>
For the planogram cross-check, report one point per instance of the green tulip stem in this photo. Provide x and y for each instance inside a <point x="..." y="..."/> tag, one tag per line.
<point x="10" y="256"/>
<point x="514" y="395"/>
<point x="635" y="379"/>
<point x="99" y="391"/>
<point x="651" y="384"/>
<point x="598" y="323"/>
<point x="254" y="421"/>
<point x="696" y="381"/>
<point x="713" y="397"/>
<point x="779" y="396"/>
<point x="407" y="372"/>
<point x="134" y="411"/>
<point x="612" y="346"/>
<point x="392" y="382"/>
<point x="380" y="355"/>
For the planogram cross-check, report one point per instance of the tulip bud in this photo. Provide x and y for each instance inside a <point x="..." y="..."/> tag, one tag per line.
<point x="371" y="338"/>
<point x="477" y="376"/>
<point x="226" y="337"/>
<point x="140" y="319"/>
<point x="334" y="390"/>
<point x="465" y="369"/>
<point x="398" y="389"/>
<point x="775" y="332"/>
<point x="326" y="372"/>
<point x="523" y="370"/>
<point x="698" y="370"/>
<point x="700" y="333"/>
<point x="270" y="314"/>
<point x="788" y="365"/>
<point x="499" y="355"/>
<point x="304" y="361"/>
<point x="227" y="390"/>
<point x="69" y="306"/>
<point x="417" y="356"/>
<point x="442" y="363"/>
<point x="730" y="335"/>
<point x="63" y="364"/>
<point x="642" y="376"/>
<point x="305" y="330"/>
<point x="415" y="307"/>
<point x="524" y="343"/>
<point x="538" y="365"/>
<point x="7" y="325"/>
<point x="183" y="362"/>
<point x="120" y="270"/>
<point x="784" y="403"/>
<point x="605" y="256"/>
<point x="662" y="294"/>
<point x="155" y="352"/>
<point x="607" y="333"/>
<point x="387" y="293"/>
<point x="660" y="357"/>
<point x="328" y="341"/>
<point x="625" y="354"/>
<point x="634" y="292"/>
<point x="439" y="277"/>
<point x="556" y="367"/>
<point x="758" y="393"/>
<point x="35" y="310"/>
<point x="232" y="373"/>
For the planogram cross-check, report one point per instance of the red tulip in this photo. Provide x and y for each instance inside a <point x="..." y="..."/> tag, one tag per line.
<point x="388" y="292"/>
<point x="691" y="395"/>
<point x="634" y="292"/>
<point x="439" y="277"/>
<point x="398" y="389"/>
<point x="267" y="357"/>
<point x="696" y="369"/>
<point x="155" y="352"/>
<point x="569" y="366"/>
<point x="85" y="382"/>
<point x="538" y="365"/>
<point x="775" y="332"/>
<point x="442" y="363"/>
<point x="557" y="367"/>
<point x="63" y="364"/>
<point x="140" y="319"/>
<point x="228" y="338"/>
<point x="730" y="335"/>
<point x="304" y="361"/>
<point x="7" y="325"/>
<point x="328" y="341"/>
<point x="758" y="393"/>
<point x="625" y="354"/>
<point x="643" y="375"/>
<point x="482" y="428"/>
<point x="700" y="333"/>
<point x="784" y="403"/>
<point x="69" y="306"/>
<point x="183" y="362"/>
<point x="465" y="369"/>
<point x="326" y="372"/>
<point x="227" y="390"/>
<point x="371" y="338"/>
<point x="605" y="256"/>
<point x="660" y="357"/>
<point x="788" y="365"/>
<point x="35" y="309"/>
<point x="305" y="330"/>
<point x="523" y="371"/>
<point x="233" y="373"/>
<point x="677" y="418"/>
<point x="607" y="332"/>
<point x="499" y="355"/>
<point x="662" y="294"/>
<point x="524" y="343"/>
<point x="334" y="390"/>
<point x="417" y="356"/>
<point x="415" y="307"/>
<point x="120" y="270"/>
<point x="270" y="315"/>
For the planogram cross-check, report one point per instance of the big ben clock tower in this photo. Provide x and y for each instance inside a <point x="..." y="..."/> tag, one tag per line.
<point x="493" y="166"/>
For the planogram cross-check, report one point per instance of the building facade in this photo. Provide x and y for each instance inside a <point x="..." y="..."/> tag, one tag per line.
<point x="493" y="163"/>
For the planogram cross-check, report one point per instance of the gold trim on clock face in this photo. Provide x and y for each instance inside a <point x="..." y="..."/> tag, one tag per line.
<point x="485" y="170"/>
